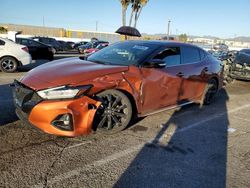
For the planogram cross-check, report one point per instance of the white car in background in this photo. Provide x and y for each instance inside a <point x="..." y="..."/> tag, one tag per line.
<point x="13" y="55"/>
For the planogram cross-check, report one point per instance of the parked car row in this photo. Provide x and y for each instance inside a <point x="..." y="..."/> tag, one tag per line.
<point x="90" y="45"/>
<point x="37" y="49"/>
<point x="97" y="48"/>
<point x="56" y="45"/>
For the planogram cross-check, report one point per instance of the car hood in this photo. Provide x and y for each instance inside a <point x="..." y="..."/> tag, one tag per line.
<point x="67" y="71"/>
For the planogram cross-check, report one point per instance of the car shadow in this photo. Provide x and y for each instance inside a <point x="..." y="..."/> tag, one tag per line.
<point x="187" y="152"/>
<point x="7" y="108"/>
<point x="32" y="65"/>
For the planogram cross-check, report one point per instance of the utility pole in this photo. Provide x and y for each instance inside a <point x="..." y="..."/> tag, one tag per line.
<point x="168" y="29"/>
<point x="43" y="22"/>
<point x="96" y="25"/>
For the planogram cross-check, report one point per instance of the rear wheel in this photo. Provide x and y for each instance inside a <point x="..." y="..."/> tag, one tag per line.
<point x="211" y="91"/>
<point x="115" y="112"/>
<point x="8" y="64"/>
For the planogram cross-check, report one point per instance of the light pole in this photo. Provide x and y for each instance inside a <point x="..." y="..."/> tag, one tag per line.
<point x="96" y="25"/>
<point x="168" y="29"/>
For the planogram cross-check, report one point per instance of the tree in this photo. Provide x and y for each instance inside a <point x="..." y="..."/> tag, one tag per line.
<point x="137" y="6"/>
<point x="183" y="37"/>
<point x="125" y="4"/>
<point x="3" y="30"/>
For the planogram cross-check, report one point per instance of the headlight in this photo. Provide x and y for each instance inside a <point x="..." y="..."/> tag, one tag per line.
<point x="63" y="92"/>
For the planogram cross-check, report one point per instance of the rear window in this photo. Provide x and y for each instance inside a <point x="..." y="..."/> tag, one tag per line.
<point x="203" y="54"/>
<point x="189" y="55"/>
<point x="2" y="43"/>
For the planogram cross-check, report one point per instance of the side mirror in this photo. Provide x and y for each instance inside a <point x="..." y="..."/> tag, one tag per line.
<point x="155" y="63"/>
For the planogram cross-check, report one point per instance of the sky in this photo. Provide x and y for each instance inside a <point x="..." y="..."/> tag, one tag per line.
<point x="221" y="18"/>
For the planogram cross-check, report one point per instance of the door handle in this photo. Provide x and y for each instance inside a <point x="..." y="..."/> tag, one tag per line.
<point x="205" y="69"/>
<point x="180" y="74"/>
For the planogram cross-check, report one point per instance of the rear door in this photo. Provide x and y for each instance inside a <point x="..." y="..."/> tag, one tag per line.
<point x="26" y="42"/>
<point x="41" y="51"/>
<point x="193" y="70"/>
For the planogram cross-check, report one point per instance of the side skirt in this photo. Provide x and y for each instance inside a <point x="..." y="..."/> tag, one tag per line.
<point x="164" y="109"/>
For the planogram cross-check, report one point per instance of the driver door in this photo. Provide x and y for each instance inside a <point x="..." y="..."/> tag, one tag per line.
<point x="161" y="87"/>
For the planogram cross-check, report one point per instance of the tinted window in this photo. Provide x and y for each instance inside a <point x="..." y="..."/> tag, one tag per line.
<point x="24" y="42"/>
<point x="2" y="43"/>
<point x="171" y="56"/>
<point x="190" y="55"/>
<point x="45" y="40"/>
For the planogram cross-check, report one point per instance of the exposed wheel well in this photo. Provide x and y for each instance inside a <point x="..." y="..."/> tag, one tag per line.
<point x="217" y="81"/>
<point x="132" y="100"/>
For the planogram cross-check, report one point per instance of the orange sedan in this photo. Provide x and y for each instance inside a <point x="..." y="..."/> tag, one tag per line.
<point x="75" y="96"/>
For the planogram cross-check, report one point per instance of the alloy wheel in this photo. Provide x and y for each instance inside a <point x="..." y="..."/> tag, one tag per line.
<point x="114" y="113"/>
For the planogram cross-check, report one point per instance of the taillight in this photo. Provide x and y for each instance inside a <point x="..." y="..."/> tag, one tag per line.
<point x="25" y="49"/>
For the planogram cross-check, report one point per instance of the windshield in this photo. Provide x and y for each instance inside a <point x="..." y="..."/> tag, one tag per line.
<point x="123" y="53"/>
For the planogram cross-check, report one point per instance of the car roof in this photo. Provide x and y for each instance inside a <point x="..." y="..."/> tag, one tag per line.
<point x="162" y="43"/>
<point x="34" y="41"/>
<point x="6" y="40"/>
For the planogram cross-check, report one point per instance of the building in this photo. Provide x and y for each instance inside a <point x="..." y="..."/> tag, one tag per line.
<point x="63" y="33"/>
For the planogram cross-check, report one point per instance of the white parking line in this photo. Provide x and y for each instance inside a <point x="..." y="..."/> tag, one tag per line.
<point x="77" y="145"/>
<point x="95" y="164"/>
<point x="128" y="151"/>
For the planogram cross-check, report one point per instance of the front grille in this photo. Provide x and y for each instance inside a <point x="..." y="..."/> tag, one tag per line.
<point x="24" y="97"/>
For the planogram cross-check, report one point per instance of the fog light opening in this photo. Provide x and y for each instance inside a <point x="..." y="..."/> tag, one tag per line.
<point x="63" y="122"/>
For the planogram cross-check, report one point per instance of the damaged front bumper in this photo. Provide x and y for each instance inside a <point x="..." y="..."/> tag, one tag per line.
<point x="72" y="117"/>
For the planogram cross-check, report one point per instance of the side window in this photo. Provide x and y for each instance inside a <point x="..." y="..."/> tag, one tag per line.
<point x="171" y="56"/>
<point x="190" y="55"/>
<point x="24" y="42"/>
<point x="33" y="43"/>
<point x="44" y="40"/>
<point x="2" y="43"/>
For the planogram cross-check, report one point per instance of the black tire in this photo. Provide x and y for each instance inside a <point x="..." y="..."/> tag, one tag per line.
<point x="80" y="51"/>
<point x="8" y="64"/>
<point x="114" y="114"/>
<point x="211" y="91"/>
<point x="51" y="58"/>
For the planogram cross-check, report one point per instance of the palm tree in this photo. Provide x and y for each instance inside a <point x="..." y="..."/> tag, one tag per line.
<point x="3" y="30"/>
<point x="125" y="4"/>
<point x="137" y="6"/>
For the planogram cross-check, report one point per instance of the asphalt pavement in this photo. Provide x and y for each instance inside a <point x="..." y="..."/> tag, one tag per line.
<point x="192" y="146"/>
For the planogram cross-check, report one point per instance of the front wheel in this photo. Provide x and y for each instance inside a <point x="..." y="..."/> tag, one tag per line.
<point x="211" y="91"/>
<point x="115" y="112"/>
